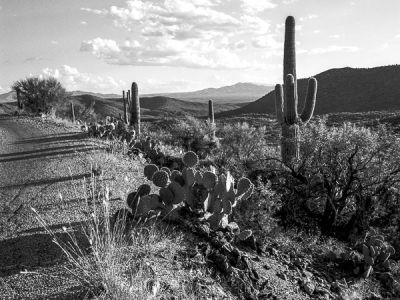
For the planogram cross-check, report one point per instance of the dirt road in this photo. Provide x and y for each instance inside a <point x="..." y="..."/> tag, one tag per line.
<point x="39" y="161"/>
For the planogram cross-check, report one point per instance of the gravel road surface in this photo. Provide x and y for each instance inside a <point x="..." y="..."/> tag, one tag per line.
<point x="39" y="161"/>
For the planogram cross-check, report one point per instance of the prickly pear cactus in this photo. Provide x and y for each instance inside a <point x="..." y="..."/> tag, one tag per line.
<point x="376" y="252"/>
<point x="286" y="101"/>
<point x="211" y="197"/>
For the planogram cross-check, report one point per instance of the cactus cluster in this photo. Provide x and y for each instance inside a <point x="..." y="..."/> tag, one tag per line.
<point x="112" y="129"/>
<point x="376" y="252"/>
<point x="210" y="196"/>
<point x="286" y="101"/>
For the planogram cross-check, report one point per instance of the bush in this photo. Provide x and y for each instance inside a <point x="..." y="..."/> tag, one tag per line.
<point x="343" y="179"/>
<point x="243" y="148"/>
<point x="40" y="95"/>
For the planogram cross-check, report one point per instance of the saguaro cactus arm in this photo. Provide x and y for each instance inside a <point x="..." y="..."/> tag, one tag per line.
<point x="279" y="103"/>
<point x="309" y="103"/>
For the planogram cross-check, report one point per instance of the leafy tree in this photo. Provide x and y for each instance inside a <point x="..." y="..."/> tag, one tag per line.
<point x="40" y="94"/>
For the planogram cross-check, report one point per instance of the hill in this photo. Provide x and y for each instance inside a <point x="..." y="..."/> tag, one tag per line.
<point x="237" y="93"/>
<point x="99" y="95"/>
<point x="151" y="107"/>
<point x="8" y="97"/>
<point x="342" y="90"/>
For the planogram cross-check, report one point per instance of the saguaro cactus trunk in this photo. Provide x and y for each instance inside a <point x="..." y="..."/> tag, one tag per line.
<point x="19" y="102"/>
<point x="72" y="112"/>
<point x="211" y="118"/>
<point x="135" y="108"/>
<point x="125" y="107"/>
<point x="286" y="102"/>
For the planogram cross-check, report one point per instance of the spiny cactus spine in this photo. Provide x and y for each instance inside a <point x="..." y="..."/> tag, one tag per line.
<point x="135" y="108"/>
<point x="286" y="102"/>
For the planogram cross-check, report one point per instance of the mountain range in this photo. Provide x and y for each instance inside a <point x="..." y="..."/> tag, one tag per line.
<point x="241" y="92"/>
<point x="350" y="90"/>
<point x="341" y="90"/>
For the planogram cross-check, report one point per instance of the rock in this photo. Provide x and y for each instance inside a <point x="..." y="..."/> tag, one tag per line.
<point x="309" y="288"/>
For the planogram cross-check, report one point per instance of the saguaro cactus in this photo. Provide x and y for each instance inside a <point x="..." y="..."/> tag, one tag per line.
<point x="135" y="108"/>
<point x="286" y="102"/>
<point x="72" y="112"/>
<point x="211" y="117"/>
<point x="125" y="107"/>
<point x="19" y="103"/>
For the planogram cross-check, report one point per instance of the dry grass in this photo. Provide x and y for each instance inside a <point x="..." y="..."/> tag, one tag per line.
<point x="143" y="260"/>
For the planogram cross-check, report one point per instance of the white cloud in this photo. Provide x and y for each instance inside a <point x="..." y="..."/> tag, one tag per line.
<point x="335" y="36"/>
<point x="317" y="31"/>
<point x="397" y="36"/>
<point x="95" y="11"/>
<point x="83" y="23"/>
<point x="196" y="34"/>
<point x="256" y="6"/>
<point x="72" y="80"/>
<point x="308" y="17"/>
<point x="3" y="90"/>
<point x="165" y="52"/>
<point x="332" y="48"/>
<point x="54" y="42"/>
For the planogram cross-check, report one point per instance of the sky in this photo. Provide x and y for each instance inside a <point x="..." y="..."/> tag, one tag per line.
<point x="182" y="45"/>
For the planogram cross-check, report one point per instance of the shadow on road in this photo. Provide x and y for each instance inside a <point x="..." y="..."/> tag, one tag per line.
<point x="49" y="181"/>
<point x="77" y="149"/>
<point x="61" y="137"/>
<point x="37" y="249"/>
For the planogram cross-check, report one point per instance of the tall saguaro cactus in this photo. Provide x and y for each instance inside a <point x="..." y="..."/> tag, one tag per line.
<point x="19" y="102"/>
<point x="135" y="108"/>
<point x="72" y="112"/>
<point x="125" y="107"/>
<point x="286" y="100"/>
<point x="211" y="118"/>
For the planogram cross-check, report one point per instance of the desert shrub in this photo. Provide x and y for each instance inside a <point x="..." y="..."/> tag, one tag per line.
<point x="40" y="94"/>
<point x="242" y="148"/>
<point x="342" y="179"/>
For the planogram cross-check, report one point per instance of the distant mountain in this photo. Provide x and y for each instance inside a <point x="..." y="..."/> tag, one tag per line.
<point x="342" y="90"/>
<point x="8" y="97"/>
<point x="99" y="95"/>
<point x="151" y="107"/>
<point x="237" y="93"/>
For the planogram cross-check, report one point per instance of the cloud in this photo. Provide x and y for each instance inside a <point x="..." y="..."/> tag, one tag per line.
<point x="308" y="17"/>
<point x="83" y="23"/>
<point x="332" y="48"/>
<point x="195" y="34"/>
<point x="257" y="6"/>
<point x="54" y="42"/>
<point x="72" y="80"/>
<point x="335" y="36"/>
<point x="165" y="52"/>
<point x="95" y="11"/>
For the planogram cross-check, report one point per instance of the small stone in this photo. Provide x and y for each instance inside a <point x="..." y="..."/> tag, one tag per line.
<point x="309" y="288"/>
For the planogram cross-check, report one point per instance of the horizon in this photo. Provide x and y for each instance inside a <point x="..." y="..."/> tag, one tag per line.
<point x="174" y="46"/>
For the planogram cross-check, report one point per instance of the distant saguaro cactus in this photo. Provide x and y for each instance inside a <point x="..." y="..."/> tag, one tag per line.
<point x="125" y="107"/>
<point x="72" y="112"/>
<point x="135" y="108"/>
<point x="19" y="102"/>
<point x="211" y="117"/>
<point x="286" y="102"/>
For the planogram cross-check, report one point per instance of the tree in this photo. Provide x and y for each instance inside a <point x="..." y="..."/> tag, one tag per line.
<point x="40" y="94"/>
